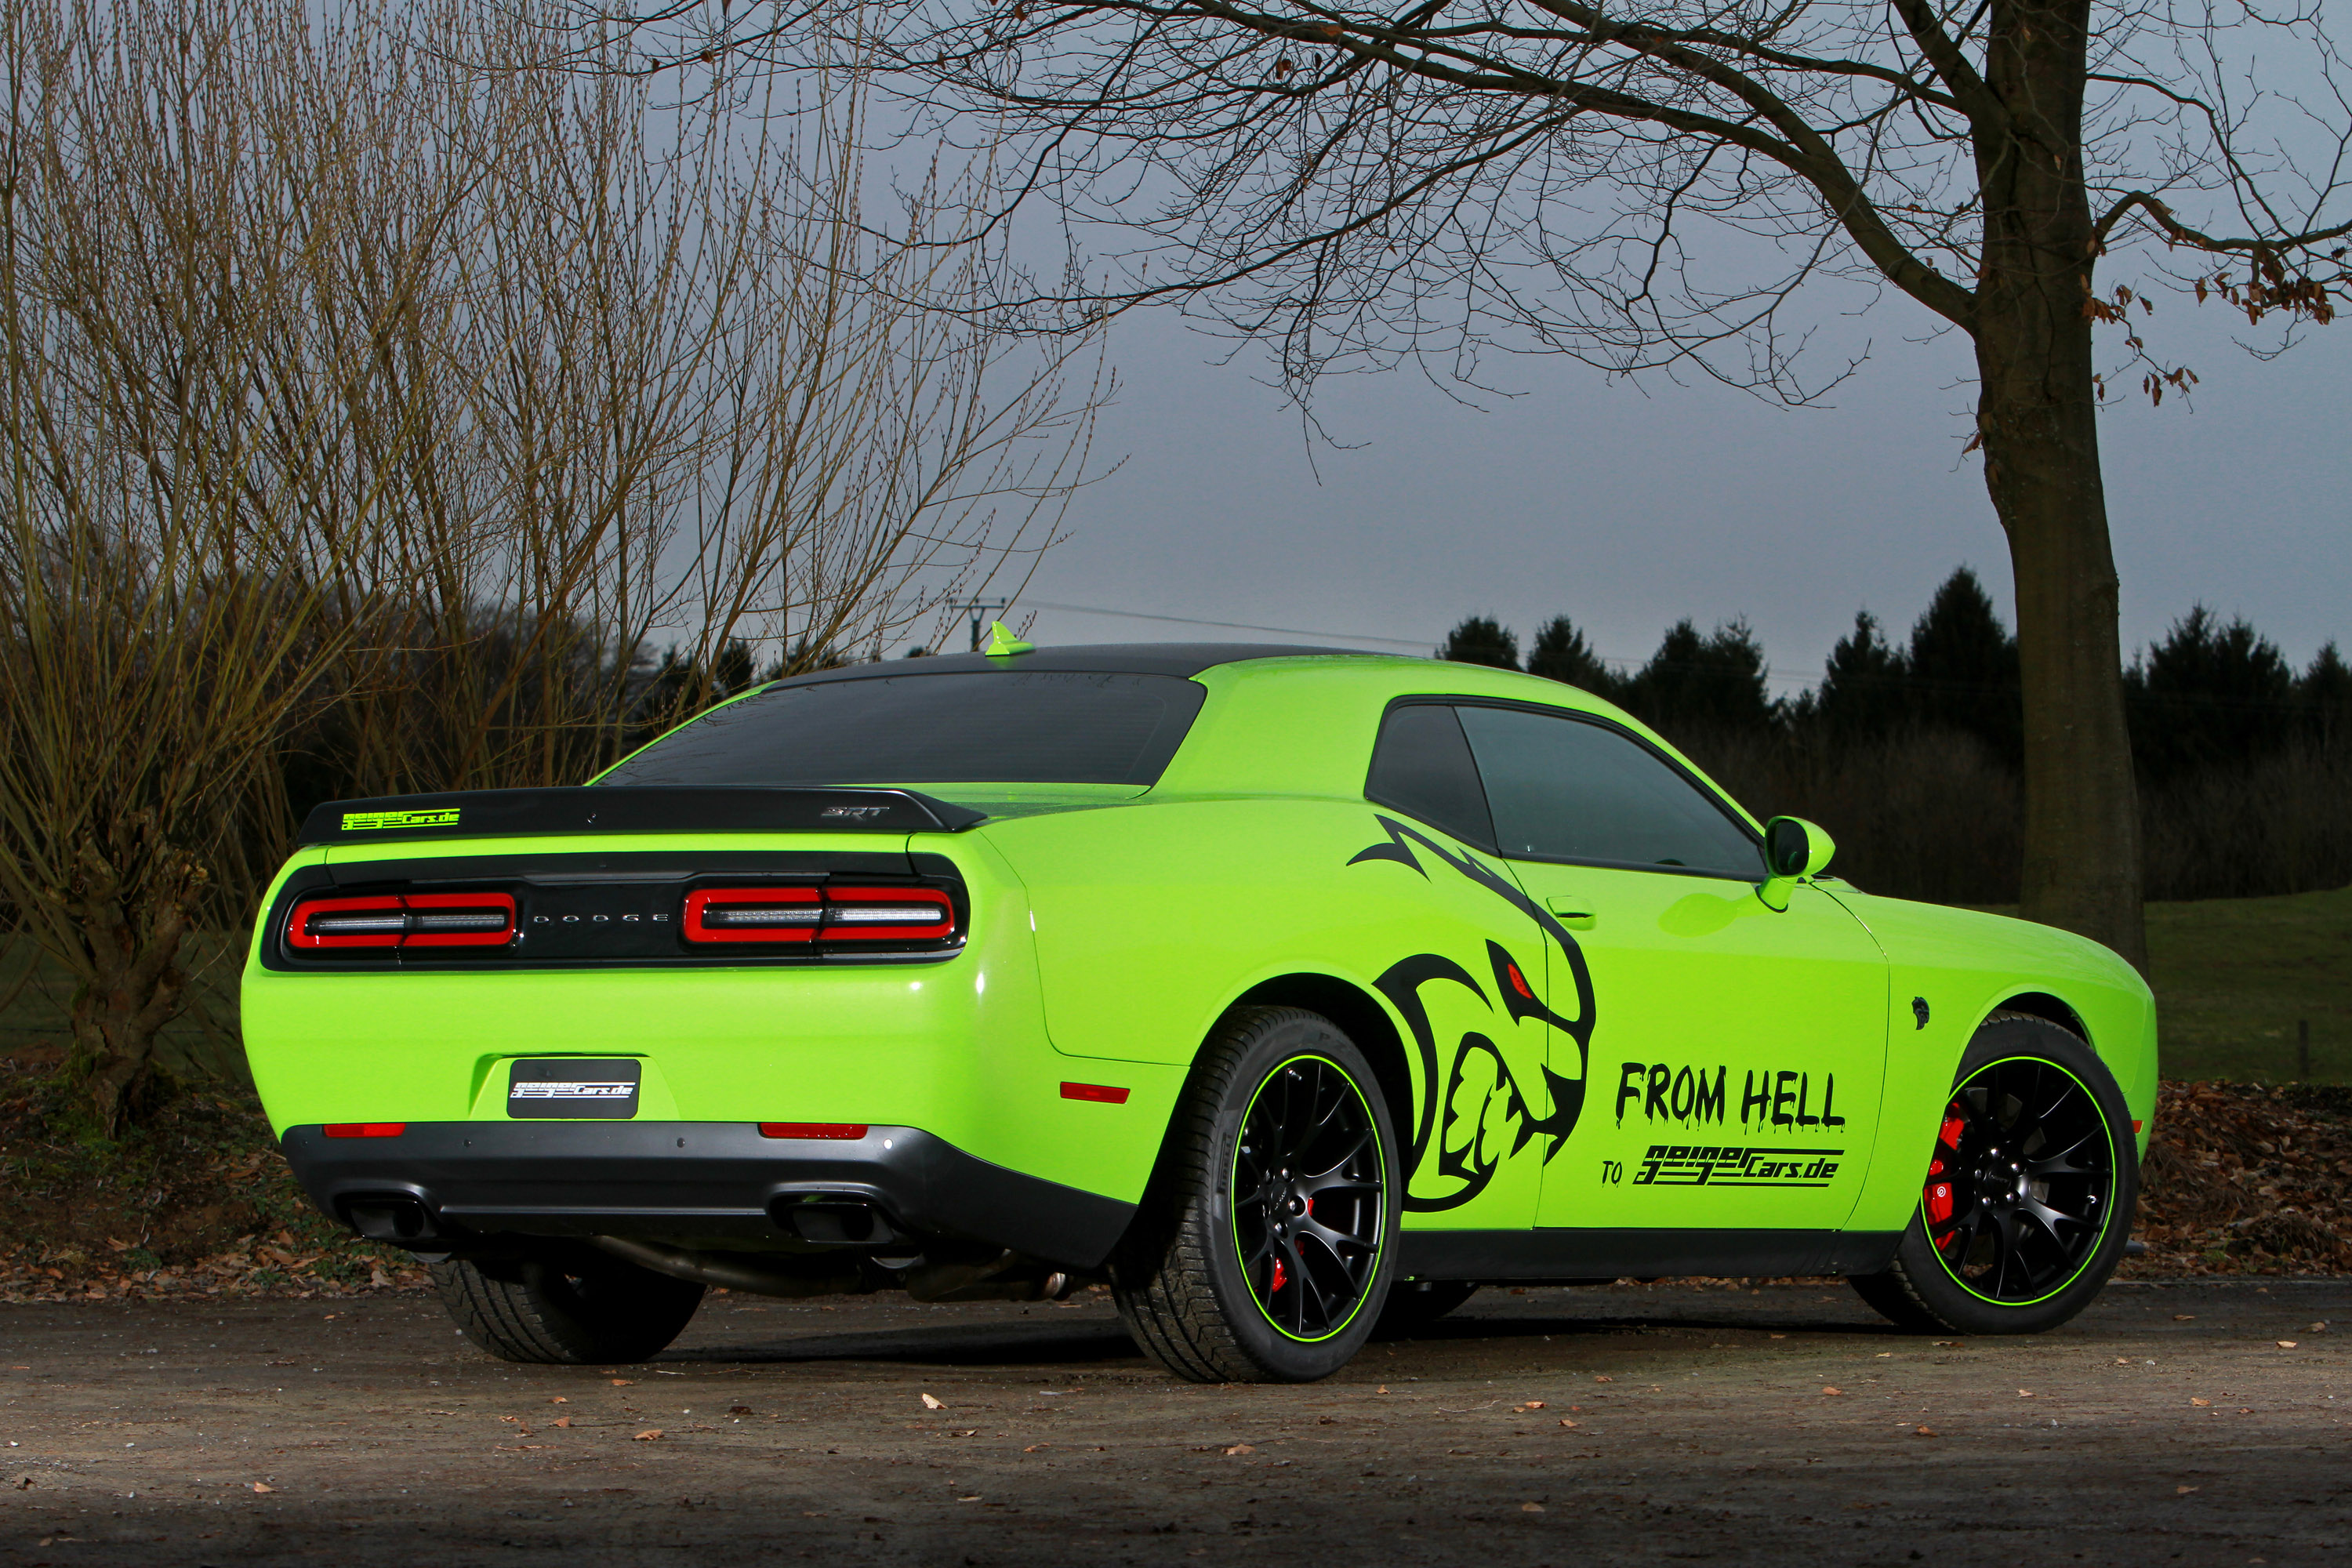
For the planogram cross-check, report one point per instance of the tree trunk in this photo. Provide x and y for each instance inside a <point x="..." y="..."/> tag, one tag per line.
<point x="131" y="982"/>
<point x="2037" y="414"/>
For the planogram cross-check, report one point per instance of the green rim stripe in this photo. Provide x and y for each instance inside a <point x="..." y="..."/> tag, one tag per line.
<point x="2105" y="1221"/>
<point x="1233" y="1210"/>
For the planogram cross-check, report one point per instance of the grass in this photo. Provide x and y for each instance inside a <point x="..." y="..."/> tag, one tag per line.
<point x="36" y="1008"/>
<point x="2234" y="977"/>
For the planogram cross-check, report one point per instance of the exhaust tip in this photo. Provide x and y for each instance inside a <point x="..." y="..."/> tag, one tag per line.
<point x="391" y="1218"/>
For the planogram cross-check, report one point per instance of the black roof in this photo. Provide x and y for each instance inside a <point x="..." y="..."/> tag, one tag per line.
<point x="1179" y="659"/>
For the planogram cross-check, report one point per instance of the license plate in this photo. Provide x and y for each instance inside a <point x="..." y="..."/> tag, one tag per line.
<point x="593" y="1086"/>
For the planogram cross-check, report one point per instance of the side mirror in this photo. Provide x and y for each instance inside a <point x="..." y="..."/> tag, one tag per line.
<point x="1793" y="848"/>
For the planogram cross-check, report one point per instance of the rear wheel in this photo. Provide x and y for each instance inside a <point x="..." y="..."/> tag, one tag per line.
<point x="1261" y="1253"/>
<point x="570" y="1307"/>
<point x="2028" y="1197"/>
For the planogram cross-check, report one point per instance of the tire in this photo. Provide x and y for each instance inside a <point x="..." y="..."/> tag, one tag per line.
<point x="2028" y="1198"/>
<point x="570" y="1308"/>
<point x="1412" y="1306"/>
<point x="1238" y="1271"/>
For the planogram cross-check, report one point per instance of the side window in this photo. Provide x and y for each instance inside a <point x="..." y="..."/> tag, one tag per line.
<point x="1421" y="765"/>
<point x="1565" y="790"/>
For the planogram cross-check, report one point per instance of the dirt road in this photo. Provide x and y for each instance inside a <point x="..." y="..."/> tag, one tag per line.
<point x="2203" y="1422"/>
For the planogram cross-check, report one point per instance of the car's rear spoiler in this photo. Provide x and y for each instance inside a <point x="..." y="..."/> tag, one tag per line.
<point x="632" y="809"/>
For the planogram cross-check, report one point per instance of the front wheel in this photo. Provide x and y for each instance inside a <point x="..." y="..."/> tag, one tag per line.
<point x="2028" y="1196"/>
<point x="1262" y="1252"/>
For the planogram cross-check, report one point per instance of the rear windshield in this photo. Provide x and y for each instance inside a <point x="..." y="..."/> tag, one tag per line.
<point x="987" y="726"/>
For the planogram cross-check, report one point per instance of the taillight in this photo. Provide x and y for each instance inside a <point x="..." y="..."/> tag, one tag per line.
<point x="413" y="919"/>
<point x="459" y="920"/>
<point x="828" y="1130"/>
<point x="807" y="913"/>
<point x="753" y="914"/>
<point x="366" y="1129"/>
<point x="888" y="914"/>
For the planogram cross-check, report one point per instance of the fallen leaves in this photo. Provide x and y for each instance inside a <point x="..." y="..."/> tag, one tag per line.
<point x="933" y="1402"/>
<point x="1922" y="1431"/>
<point x="650" y="1435"/>
<point x="2201" y="1403"/>
<point x="1240" y="1448"/>
<point x="624" y="1382"/>
<point x="1566" y="1422"/>
<point x="1531" y="1508"/>
<point x="563" y="1421"/>
<point x="1826" y="1389"/>
<point x="2286" y="1344"/>
<point x="1603" y="1377"/>
<point x="2182" y="1491"/>
<point x="263" y="1487"/>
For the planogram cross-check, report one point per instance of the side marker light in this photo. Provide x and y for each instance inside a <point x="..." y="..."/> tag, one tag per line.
<point x="1100" y="1093"/>
<point x="844" y="1130"/>
<point x="366" y="1129"/>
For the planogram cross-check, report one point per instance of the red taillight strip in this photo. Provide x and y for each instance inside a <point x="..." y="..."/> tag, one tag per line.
<point x="830" y="1130"/>
<point x="753" y="914"/>
<point x="366" y="1129"/>
<point x="811" y="914"/>
<point x="414" y="919"/>
<point x="347" y="923"/>
<point x="888" y="914"/>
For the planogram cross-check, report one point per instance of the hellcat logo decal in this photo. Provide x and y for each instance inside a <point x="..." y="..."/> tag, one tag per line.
<point x="1458" y="1119"/>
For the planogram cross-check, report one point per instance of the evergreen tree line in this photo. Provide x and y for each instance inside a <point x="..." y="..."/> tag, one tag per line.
<point x="1910" y="752"/>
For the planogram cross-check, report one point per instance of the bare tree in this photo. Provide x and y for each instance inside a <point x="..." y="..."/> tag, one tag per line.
<point x="366" y="390"/>
<point x="178" y="188"/>
<point x="1647" y="186"/>
<point x="712" y="408"/>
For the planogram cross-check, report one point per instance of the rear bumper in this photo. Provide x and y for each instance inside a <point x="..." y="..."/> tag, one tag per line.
<point x="447" y="1182"/>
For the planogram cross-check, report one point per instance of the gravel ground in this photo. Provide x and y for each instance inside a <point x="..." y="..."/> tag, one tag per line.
<point x="2192" y="1422"/>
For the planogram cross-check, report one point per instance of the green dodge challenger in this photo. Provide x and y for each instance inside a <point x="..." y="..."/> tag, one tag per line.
<point x="1294" y="993"/>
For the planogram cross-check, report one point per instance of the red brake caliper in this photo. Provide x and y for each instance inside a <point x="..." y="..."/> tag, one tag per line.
<point x="1281" y="1278"/>
<point x="1938" y="1196"/>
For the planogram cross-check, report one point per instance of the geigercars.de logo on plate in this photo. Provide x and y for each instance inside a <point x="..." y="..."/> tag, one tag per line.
<point x="572" y="1091"/>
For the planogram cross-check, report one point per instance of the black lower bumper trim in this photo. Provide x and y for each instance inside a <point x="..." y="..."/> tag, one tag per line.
<point x="708" y="1180"/>
<point x="1603" y="1254"/>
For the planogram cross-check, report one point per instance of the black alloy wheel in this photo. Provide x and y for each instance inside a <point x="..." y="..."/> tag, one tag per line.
<point x="2031" y="1182"/>
<point x="1261" y="1251"/>
<point x="1308" y="1198"/>
<point x="2021" y="1183"/>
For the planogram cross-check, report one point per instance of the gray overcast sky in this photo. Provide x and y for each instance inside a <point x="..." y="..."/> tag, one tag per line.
<point x="1627" y="508"/>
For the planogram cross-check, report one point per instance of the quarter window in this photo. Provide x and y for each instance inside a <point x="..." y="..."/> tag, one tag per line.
<point x="1563" y="789"/>
<point x="1421" y="765"/>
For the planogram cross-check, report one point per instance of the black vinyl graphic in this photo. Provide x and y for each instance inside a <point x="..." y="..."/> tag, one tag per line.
<point x="1477" y="1063"/>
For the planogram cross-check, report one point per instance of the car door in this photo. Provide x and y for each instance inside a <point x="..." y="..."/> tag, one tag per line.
<point x="1736" y="1052"/>
<point x="1464" y="972"/>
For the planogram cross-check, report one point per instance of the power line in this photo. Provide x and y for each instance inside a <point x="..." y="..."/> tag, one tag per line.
<point x="1228" y="626"/>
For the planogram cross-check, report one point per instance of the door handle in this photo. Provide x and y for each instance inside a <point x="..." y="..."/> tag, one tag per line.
<point x="1570" y="915"/>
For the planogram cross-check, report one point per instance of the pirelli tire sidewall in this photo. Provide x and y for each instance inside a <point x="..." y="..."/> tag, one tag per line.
<point x="1921" y="1272"/>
